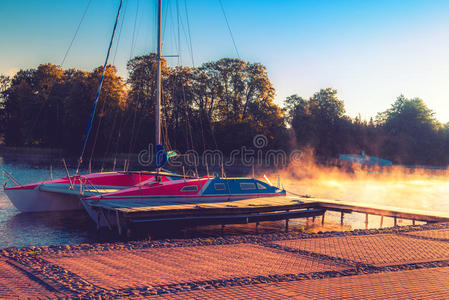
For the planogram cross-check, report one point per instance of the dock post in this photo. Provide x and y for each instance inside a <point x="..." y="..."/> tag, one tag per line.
<point x="222" y="229"/>
<point x="342" y="216"/>
<point x="286" y="225"/>
<point x="98" y="219"/>
<point x="395" y="221"/>
<point x="413" y="222"/>
<point x="366" y="221"/>
<point x="322" y="218"/>
<point x="381" y="221"/>
<point x="119" y="226"/>
<point x="257" y="227"/>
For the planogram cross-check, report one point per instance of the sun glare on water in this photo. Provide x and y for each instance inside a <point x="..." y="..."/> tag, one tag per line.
<point x="395" y="186"/>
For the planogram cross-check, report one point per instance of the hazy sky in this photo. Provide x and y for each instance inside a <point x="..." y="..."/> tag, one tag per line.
<point x="370" y="51"/>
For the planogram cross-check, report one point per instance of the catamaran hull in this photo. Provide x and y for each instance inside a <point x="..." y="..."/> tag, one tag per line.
<point x="35" y="200"/>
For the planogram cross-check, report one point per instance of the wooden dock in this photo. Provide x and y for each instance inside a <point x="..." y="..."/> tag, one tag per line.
<point x="380" y="210"/>
<point x="143" y="212"/>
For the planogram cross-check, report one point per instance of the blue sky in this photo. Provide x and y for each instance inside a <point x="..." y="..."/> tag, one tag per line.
<point x="370" y="51"/>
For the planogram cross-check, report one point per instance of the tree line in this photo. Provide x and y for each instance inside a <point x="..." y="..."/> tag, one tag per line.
<point x="219" y="105"/>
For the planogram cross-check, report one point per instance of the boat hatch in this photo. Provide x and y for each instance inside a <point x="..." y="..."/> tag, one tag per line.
<point x="246" y="186"/>
<point x="189" y="188"/>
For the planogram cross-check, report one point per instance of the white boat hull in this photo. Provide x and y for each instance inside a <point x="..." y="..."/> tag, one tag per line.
<point x="35" y="200"/>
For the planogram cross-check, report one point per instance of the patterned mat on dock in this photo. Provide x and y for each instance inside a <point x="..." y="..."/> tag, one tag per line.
<point x="399" y="263"/>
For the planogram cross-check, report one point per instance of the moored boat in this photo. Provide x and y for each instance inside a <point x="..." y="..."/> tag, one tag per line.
<point x="175" y="192"/>
<point x="65" y="193"/>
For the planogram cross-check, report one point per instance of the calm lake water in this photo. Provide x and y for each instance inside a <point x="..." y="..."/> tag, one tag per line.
<point x="44" y="229"/>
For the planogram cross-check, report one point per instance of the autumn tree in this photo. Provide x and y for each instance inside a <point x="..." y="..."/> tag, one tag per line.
<point x="237" y="97"/>
<point x="50" y="107"/>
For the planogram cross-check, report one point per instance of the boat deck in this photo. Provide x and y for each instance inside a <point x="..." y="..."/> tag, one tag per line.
<point x="395" y="263"/>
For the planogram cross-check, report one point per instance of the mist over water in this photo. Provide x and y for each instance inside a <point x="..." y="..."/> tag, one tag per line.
<point x="401" y="187"/>
<point x="398" y="187"/>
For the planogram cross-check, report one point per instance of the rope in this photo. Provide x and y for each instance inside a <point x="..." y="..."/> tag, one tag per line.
<point x="178" y="32"/>
<point x="104" y="102"/>
<point x="99" y="89"/>
<point x="133" y="41"/>
<point x="188" y="31"/>
<point x="120" y="32"/>
<point x="76" y="33"/>
<point x="109" y="141"/>
<point x="229" y="28"/>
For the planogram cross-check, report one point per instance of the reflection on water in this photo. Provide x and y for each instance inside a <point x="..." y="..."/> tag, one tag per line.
<point x="42" y="229"/>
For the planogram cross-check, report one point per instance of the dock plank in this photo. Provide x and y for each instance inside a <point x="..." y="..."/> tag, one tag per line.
<point x="383" y="210"/>
<point x="149" y="208"/>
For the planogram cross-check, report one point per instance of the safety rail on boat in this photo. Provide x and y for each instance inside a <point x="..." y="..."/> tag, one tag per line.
<point x="10" y="177"/>
<point x="86" y="180"/>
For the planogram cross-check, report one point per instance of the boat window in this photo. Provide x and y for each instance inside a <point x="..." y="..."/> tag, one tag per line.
<point x="189" y="188"/>
<point x="219" y="186"/>
<point x="247" y="186"/>
<point x="261" y="186"/>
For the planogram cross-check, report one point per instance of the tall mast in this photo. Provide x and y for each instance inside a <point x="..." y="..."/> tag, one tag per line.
<point x="158" y="78"/>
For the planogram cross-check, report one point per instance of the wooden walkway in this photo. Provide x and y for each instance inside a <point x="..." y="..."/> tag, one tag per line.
<point x="145" y="212"/>
<point x="395" y="263"/>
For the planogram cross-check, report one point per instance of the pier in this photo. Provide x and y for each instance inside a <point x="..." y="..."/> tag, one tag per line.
<point x="128" y="215"/>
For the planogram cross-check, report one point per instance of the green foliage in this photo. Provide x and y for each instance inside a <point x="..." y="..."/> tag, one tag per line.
<point x="319" y="122"/>
<point x="407" y="133"/>
<point x="412" y="132"/>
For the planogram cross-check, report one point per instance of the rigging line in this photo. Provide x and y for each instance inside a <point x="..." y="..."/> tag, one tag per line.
<point x="133" y="130"/>
<point x="133" y="40"/>
<point x="165" y="137"/>
<point x="179" y="32"/>
<point x="108" y="144"/>
<point x="188" y="31"/>
<point x="120" y="32"/>
<point x="97" y="131"/>
<point x="189" y="127"/>
<point x="166" y="12"/>
<point x="76" y="33"/>
<point x="229" y="28"/>
<point x="119" y="134"/>
<point x="135" y="136"/>
<point x="99" y="89"/>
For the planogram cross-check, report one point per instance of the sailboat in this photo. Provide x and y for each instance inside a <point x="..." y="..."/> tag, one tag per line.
<point x="160" y="192"/>
<point x="142" y="188"/>
<point x="65" y="193"/>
